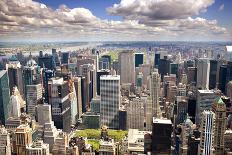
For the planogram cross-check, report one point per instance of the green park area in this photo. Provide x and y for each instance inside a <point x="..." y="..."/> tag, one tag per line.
<point x="93" y="136"/>
<point x="113" y="55"/>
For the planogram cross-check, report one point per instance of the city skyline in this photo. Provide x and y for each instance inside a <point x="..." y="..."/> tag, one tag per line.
<point x="115" y="20"/>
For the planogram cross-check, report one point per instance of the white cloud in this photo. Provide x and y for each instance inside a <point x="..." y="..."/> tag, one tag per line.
<point x="159" y="9"/>
<point x="26" y="19"/>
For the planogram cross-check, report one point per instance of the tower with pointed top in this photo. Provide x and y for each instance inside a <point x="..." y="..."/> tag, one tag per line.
<point x="219" y="108"/>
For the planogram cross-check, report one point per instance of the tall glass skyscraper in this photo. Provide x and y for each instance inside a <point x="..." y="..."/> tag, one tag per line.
<point x="4" y="96"/>
<point x="110" y="100"/>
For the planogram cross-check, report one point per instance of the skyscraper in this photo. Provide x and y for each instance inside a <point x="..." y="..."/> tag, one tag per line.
<point x="23" y="135"/>
<point x="161" y="136"/>
<point x="138" y="59"/>
<point x="205" y="98"/>
<point x="34" y="96"/>
<point x="135" y="114"/>
<point x="99" y="74"/>
<point x="203" y="67"/>
<point x="15" y="75"/>
<point x="155" y="90"/>
<point x="219" y="109"/>
<point x="213" y="74"/>
<point x="207" y="133"/>
<point x="61" y="106"/>
<point x="4" y="96"/>
<point x="127" y="66"/>
<point x="110" y="100"/>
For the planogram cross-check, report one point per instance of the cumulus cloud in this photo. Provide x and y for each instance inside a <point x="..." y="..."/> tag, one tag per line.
<point x="159" y="9"/>
<point x="27" y="19"/>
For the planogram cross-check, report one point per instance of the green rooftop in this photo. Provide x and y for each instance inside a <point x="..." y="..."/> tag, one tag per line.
<point x="219" y="100"/>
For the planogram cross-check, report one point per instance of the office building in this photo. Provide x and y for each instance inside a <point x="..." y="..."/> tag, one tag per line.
<point x="65" y="57"/>
<point x="47" y="74"/>
<point x="219" y="109"/>
<point x="56" y="57"/>
<point x="60" y="102"/>
<point x="164" y="67"/>
<point x="95" y="105"/>
<point x="99" y="74"/>
<point x="174" y="69"/>
<point x="34" y="96"/>
<point x="138" y="59"/>
<point x="4" y="96"/>
<point x="107" y="147"/>
<point x="15" y="76"/>
<point x="203" y="68"/>
<point x="136" y="141"/>
<point x="213" y="74"/>
<point x="90" y="120"/>
<point x="77" y="85"/>
<point x="229" y="90"/>
<point x="110" y="100"/>
<point x="228" y="141"/>
<point x="38" y="148"/>
<point x="155" y="91"/>
<point x="47" y="61"/>
<point x="23" y="136"/>
<point x="228" y="55"/>
<point x="161" y="141"/>
<point x="127" y="66"/>
<point x="61" y="144"/>
<point x="43" y="114"/>
<point x="135" y="114"/>
<point x="5" y="144"/>
<point x="229" y="72"/>
<point x="104" y="63"/>
<point x="222" y="78"/>
<point x="205" y="98"/>
<point x="182" y="109"/>
<point x="192" y="75"/>
<point x="207" y="133"/>
<point x="122" y="118"/>
<point x="157" y="59"/>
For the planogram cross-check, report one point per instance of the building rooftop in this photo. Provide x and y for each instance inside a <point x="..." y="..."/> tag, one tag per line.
<point x="206" y="91"/>
<point x="2" y="72"/>
<point x="229" y="48"/>
<point x="162" y="121"/>
<point x="218" y="100"/>
<point x="110" y="77"/>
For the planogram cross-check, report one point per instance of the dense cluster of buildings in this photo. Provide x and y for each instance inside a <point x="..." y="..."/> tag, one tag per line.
<point x="170" y="102"/>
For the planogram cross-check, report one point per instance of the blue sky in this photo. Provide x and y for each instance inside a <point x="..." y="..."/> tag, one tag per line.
<point x="116" y="20"/>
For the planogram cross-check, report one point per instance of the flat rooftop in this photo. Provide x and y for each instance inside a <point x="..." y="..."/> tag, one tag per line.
<point x="161" y="121"/>
<point x="229" y="48"/>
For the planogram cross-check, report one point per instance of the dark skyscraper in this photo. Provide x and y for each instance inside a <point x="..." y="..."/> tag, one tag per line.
<point x="229" y="72"/>
<point x="138" y="59"/>
<point x="222" y="78"/>
<point x="164" y="67"/>
<point x="157" y="59"/>
<point x="100" y="73"/>
<point x="15" y="75"/>
<point x="47" y="74"/>
<point x="213" y="74"/>
<point x="65" y="58"/>
<point x="4" y="96"/>
<point x="47" y="61"/>
<point x="161" y="136"/>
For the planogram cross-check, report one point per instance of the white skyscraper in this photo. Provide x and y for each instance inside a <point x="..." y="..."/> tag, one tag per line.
<point x="135" y="114"/>
<point x="203" y="67"/>
<point x="127" y="66"/>
<point x="207" y="133"/>
<point x="110" y="100"/>
<point x="155" y="91"/>
<point x="34" y="95"/>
